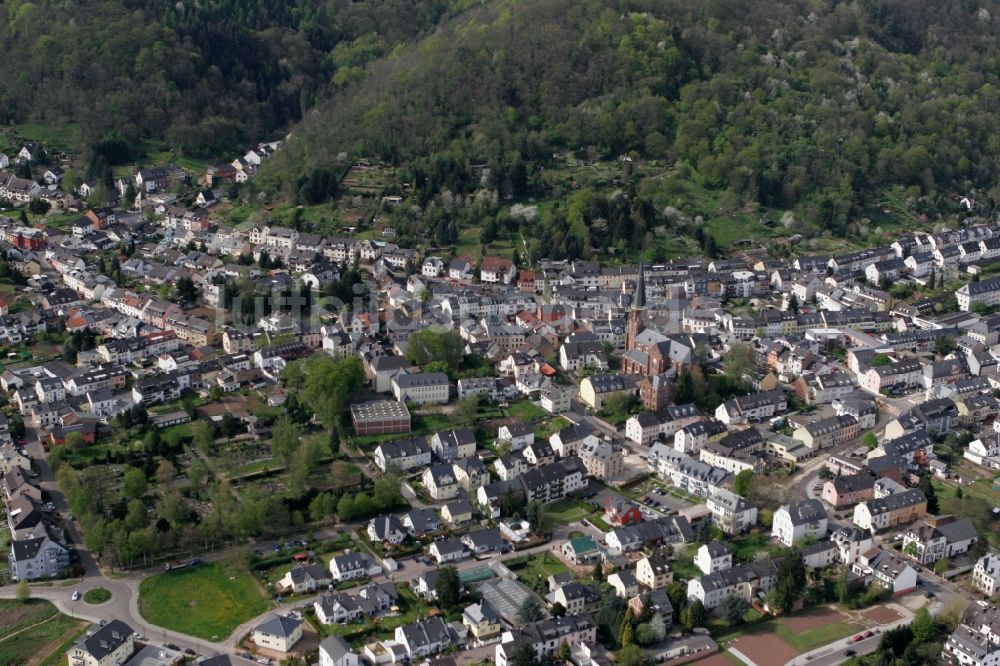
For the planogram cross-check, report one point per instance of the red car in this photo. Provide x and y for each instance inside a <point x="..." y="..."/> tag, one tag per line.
<point x="857" y="637"/>
<point x="869" y="634"/>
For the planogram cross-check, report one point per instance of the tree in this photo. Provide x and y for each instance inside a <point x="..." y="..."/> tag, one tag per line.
<point x="467" y="410"/>
<point x="732" y="609"/>
<point x="869" y="440"/>
<point x="677" y="593"/>
<point x="632" y="655"/>
<point x="738" y="361"/>
<point x="693" y="616"/>
<point x="448" y="587"/>
<point x="927" y="488"/>
<point x="74" y="440"/>
<point x="203" y="435"/>
<point x="530" y="610"/>
<point x="134" y="484"/>
<point x="598" y="572"/>
<point x="944" y="345"/>
<point x="285" y="437"/>
<point x="23" y="592"/>
<point x="626" y="634"/>
<point x="525" y="656"/>
<point x="744" y="482"/>
<point x="429" y="345"/>
<point x="880" y="360"/>
<point x="563" y="652"/>
<point x="843" y="586"/>
<point x="789" y="582"/>
<point x="825" y="473"/>
<point x="164" y="472"/>
<point x="941" y="566"/>
<point x="659" y="627"/>
<point x="644" y="634"/>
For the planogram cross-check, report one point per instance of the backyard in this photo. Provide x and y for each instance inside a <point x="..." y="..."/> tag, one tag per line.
<point x="208" y="601"/>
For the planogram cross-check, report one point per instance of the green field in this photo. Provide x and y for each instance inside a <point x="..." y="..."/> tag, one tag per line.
<point x="40" y="630"/>
<point x="526" y="410"/>
<point x="97" y="595"/>
<point x="63" y="136"/>
<point x="538" y="566"/>
<point x="567" y="511"/>
<point x="813" y="638"/>
<point x="204" y="601"/>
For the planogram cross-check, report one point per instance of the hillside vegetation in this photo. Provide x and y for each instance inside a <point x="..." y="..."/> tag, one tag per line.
<point x="206" y="77"/>
<point x="804" y="105"/>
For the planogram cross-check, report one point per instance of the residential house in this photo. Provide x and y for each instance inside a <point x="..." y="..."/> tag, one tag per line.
<point x="714" y="556"/>
<point x="353" y="566"/>
<point x="932" y="538"/>
<point x="278" y="632"/>
<point x="882" y="513"/>
<point x="843" y="491"/>
<point x="793" y="522"/>
<point x="107" y="644"/>
<point x="731" y="513"/>
<point x="986" y="574"/>
<point x="335" y="651"/>
<point x="654" y="572"/>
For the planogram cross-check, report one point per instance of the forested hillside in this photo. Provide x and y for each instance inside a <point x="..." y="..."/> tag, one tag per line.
<point x="813" y="106"/>
<point x="207" y="77"/>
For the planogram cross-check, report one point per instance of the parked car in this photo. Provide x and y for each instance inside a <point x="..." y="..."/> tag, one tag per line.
<point x="76" y="595"/>
<point x="857" y="637"/>
<point x="869" y="634"/>
<point x="849" y="653"/>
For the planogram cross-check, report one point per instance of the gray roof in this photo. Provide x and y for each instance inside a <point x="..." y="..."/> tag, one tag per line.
<point x="279" y="625"/>
<point x="105" y="640"/>
<point x="806" y="511"/>
<point x="335" y="646"/>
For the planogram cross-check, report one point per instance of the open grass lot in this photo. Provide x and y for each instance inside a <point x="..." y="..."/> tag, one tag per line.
<point x="204" y="601"/>
<point x="525" y="410"/>
<point x="567" y="511"/>
<point x="31" y="632"/>
<point x="538" y="566"/>
<point x="63" y="136"/>
<point x="801" y="632"/>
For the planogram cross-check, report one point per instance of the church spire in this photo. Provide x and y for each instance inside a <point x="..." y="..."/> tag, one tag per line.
<point x="639" y="300"/>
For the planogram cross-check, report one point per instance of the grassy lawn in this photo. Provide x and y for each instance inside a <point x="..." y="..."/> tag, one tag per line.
<point x="96" y="595"/>
<point x="539" y="566"/>
<point x="544" y="429"/>
<point x="813" y="638"/>
<point x="567" y="511"/>
<point x="204" y="601"/>
<point x="62" y="136"/>
<point x="525" y="410"/>
<point x="748" y="548"/>
<point x="49" y="639"/>
<point x="803" y="641"/>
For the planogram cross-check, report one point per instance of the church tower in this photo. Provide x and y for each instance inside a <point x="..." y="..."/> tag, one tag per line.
<point x="635" y="324"/>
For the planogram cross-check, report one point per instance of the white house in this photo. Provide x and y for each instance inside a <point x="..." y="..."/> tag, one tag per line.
<point x="421" y="388"/>
<point x="278" y="632"/>
<point x="986" y="574"/>
<point x="351" y="566"/>
<point x="714" y="556"/>
<point x="793" y="522"/>
<point x="335" y="651"/>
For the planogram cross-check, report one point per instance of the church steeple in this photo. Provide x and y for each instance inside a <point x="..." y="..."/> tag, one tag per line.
<point x="639" y="299"/>
<point x="637" y="314"/>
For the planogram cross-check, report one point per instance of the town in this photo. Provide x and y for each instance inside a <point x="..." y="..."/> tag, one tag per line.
<point x="260" y="443"/>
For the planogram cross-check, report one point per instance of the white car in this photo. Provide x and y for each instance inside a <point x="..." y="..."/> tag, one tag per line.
<point x="264" y="660"/>
<point x="76" y="595"/>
